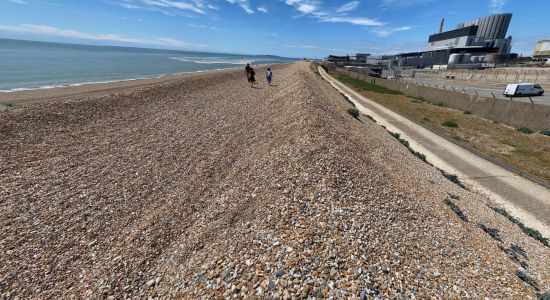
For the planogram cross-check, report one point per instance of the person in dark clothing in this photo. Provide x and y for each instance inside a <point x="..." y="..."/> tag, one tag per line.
<point x="251" y="78"/>
<point x="247" y="71"/>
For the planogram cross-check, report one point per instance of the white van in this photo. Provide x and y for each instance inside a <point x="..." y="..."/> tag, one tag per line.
<point x="523" y="89"/>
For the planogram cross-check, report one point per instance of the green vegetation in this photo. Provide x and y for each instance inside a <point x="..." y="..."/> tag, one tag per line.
<point x="493" y="232"/>
<point x="456" y="209"/>
<point x="450" y="123"/>
<point x="6" y="106"/>
<point x="527" y="230"/>
<point x="354" y="112"/>
<point x="417" y="100"/>
<point x="397" y="136"/>
<point x="545" y="132"/>
<point x="544" y="296"/>
<point x="526" y="130"/>
<point x="360" y="85"/>
<point x="527" y="279"/>
<point x="454" y="179"/>
<point x="440" y="104"/>
<point x="467" y="112"/>
<point x="406" y="144"/>
<point x="371" y="118"/>
<point x="348" y="99"/>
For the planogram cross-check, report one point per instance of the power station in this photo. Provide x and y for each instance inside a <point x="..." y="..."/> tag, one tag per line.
<point x="471" y="43"/>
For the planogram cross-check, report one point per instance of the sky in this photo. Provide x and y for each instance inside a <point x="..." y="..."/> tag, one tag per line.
<point x="290" y="28"/>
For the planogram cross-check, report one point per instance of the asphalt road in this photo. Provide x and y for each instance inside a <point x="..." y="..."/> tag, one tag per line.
<point x="486" y="90"/>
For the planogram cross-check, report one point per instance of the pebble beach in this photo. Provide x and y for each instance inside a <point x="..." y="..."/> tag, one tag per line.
<point x="200" y="187"/>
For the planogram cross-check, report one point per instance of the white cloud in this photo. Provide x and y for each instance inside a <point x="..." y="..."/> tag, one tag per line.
<point x="175" y="4"/>
<point x="351" y="20"/>
<point x="262" y="9"/>
<point x="303" y="6"/>
<point x="386" y="31"/>
<point x="204" y="27"/>
<point x="68" y="33"/>
<point x="244" y="4"/>
<point x="496" y="5"/>
<point x="312" y="8"/>
<point x="348" y="6"/>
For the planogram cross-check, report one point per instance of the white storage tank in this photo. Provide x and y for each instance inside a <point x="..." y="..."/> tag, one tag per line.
<point x="466" y="58"/>
<point x="454" y="59"/>
<point x="474" y="59"/>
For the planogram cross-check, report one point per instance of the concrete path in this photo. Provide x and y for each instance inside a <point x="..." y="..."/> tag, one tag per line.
<point x="522" y="197"/>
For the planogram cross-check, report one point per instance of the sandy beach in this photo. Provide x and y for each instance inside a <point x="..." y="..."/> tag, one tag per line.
<point x="198" y="186"/>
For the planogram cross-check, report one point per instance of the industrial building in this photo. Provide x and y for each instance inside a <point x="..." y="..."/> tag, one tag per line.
<point x="477" y="43"/>
<point x="470" y="44"/>
<point x="542" y="49"/>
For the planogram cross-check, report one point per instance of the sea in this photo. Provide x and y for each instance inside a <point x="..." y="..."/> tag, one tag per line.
<point x="28" y="65"/>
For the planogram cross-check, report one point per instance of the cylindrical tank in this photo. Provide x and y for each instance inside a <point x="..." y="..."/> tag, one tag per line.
<point x="474" y="59"/>
<point x="466" y="58"/>
<point x="454" y="59"/>
<point x="481" y="59"/>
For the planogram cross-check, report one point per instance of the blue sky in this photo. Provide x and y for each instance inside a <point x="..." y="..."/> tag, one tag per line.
<point x="292" y="28"/>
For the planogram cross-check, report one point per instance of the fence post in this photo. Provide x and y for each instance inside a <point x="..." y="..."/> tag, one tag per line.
<point x="531" y="100"/>
<point x="464" y="91"/>
<point x="493" y="95"/>
<point x="476" y="92"/>
<point x="453" y="89"/>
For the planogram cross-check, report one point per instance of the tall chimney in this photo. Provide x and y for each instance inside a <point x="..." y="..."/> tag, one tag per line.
<point x="441" y="25"/>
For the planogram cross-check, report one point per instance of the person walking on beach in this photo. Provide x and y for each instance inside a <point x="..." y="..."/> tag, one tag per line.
<point x="247" y="71"/>
<point x="269" y="76"/>
<point x="251" y="78"/>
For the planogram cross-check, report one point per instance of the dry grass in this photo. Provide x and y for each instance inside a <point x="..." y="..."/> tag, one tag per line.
<point x="526" y="152"/>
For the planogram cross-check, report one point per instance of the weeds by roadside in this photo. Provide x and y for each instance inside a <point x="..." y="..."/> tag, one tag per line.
<point x="456" y="209"/>
<point x="453" y="178"/>
<point x="354" y="112"/>
<point x="450" y="123"/>
<point x="492" y="232"/>
<point x="367" y="86"/>
<point x="525" y="130"/>
<point x="527" y="230"/>
<point x="7" y="106"/>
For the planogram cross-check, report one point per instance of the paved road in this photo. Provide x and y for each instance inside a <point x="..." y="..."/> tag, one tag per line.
<point x="484" y="90"/>
<point x="524" y="198"/>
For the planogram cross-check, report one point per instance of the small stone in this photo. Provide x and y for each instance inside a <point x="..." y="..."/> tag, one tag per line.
<point x="359" y="271"/>
<point x="249" y="262"/>
<point x="271" y="286"/>
<point x="280" y="273"/>
<point x="436" y="273"/>
<point x="150" y="283"/>
<point x="385" y="269"/>
<point x="236" y="290"/>
<point x="332" y="271"/>
<point x="363" y="295"/>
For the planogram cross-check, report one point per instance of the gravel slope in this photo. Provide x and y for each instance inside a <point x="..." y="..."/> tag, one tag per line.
<point x="205" y="187"/>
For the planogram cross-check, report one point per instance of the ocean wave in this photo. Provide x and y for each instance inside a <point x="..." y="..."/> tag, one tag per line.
<point x="213" y="62"/>
<point x="47" y="87"/>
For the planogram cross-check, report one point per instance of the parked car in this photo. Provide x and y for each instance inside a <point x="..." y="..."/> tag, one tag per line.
<point x="523" y="89"/>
